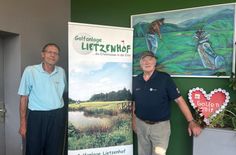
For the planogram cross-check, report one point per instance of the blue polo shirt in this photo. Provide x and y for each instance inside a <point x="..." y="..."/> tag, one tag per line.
<point x="45" y="91"/>
<point x="153" y="97"/>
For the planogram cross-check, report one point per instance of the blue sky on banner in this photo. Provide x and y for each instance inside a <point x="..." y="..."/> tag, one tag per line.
<point x="93" y="77"/>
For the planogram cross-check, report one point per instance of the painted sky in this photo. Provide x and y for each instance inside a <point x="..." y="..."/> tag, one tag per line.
<point x="179" y="15"/>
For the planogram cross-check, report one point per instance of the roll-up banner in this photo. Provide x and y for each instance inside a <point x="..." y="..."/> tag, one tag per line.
<point x="100" y="81"/>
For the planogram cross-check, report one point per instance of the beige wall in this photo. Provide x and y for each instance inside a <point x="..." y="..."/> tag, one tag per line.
<point x="35" y="22"/>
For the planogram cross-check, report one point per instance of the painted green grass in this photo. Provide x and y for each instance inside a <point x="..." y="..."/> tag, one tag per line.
<point x="177" y="53"/>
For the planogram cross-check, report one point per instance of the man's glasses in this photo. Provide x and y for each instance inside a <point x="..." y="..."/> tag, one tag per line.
<point x="52" y="53"/>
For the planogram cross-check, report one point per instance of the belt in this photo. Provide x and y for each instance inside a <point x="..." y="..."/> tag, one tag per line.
<point x="149" y="122"/>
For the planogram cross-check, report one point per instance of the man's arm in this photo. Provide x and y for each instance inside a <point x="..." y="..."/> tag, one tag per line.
<point x="134" y="117"/>
<point x="23" y="112"/>
<point x="193" y="127"/>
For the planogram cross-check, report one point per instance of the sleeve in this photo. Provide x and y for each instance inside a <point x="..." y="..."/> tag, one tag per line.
<point x="173" y="92"/>
<point x="133" y="87"/>
<point x="65" y="81"/>
<point x="25" y="84"/>
<point x="132" y="91"/>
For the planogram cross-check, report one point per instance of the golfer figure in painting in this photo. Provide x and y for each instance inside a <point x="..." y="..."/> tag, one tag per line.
<point x="153" y="34"/>
<point x="208" y="56"/>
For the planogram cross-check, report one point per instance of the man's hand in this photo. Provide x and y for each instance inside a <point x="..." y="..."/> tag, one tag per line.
<point x="194" y="129"/>
<point x="22" y="131"/>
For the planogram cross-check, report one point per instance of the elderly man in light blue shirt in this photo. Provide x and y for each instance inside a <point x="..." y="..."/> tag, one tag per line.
<point x="41" y="94"/>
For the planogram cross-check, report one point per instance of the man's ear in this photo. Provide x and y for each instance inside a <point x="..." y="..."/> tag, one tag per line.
<point x="42" y="54"/>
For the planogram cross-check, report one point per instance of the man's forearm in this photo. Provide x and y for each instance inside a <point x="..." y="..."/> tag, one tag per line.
<point x="23" y="109"/>
<point x="184" y="108"/>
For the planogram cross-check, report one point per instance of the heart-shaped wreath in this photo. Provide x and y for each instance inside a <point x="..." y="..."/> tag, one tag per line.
<point x="208" y="105"/>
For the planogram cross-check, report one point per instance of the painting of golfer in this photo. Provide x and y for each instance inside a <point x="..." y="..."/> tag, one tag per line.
<point x="193" y="42"/>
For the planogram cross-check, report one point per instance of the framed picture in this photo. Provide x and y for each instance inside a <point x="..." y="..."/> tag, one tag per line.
<point x="193" y="42"/>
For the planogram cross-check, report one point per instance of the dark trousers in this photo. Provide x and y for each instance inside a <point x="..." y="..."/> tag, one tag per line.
<point x="45" y="132"/>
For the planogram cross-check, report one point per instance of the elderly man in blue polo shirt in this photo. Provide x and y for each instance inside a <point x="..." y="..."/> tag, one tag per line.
<point x="152" y="93"/>
<point x="41" y="95"/>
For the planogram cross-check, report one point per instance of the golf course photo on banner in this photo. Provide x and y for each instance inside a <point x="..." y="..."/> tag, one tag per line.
<point x="100" y="84"/>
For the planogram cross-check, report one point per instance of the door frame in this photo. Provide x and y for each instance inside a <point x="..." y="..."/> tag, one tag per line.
<point x="11" y="51"/>
<point x="2" y="124"/>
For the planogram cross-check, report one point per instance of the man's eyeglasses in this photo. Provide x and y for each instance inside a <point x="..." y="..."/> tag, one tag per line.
<point x="52" y="53"/>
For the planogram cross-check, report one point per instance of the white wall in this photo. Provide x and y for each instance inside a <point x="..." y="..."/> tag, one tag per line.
<point x="36" y="23"/>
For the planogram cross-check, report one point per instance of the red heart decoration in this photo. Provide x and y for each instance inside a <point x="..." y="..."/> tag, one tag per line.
<point x="208" y="105"/>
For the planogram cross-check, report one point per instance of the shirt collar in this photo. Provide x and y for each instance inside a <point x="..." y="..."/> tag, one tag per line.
<point x="40" y="68"/>
<point x="154" y="74"/>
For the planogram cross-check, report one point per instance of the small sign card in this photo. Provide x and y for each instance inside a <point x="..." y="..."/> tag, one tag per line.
<point x="208" y="105"/>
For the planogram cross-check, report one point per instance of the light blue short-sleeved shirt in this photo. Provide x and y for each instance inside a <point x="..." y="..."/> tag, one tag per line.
<point x="45" y="91"/>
